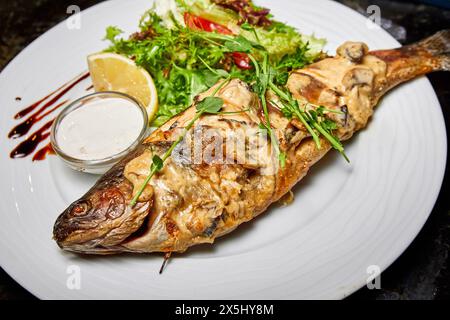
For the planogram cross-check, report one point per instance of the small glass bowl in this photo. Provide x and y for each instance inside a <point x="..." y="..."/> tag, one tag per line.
<point x="97" y="166"/>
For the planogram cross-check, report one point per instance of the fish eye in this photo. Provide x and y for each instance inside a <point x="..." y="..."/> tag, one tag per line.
<point x="80" y="209"/>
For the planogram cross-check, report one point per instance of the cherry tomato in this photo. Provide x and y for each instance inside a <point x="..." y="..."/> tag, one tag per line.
<point x="198" y="23"/>
<point x="194" y="22"/>
<point x="242" y="60"/>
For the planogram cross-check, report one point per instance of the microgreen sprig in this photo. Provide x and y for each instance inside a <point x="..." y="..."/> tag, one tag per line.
<point x="310" y="120"/>
<point x="264" y="80"/>
<point x="261" y="86"/>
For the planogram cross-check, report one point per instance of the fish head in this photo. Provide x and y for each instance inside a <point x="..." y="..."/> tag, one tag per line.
<point x="102" y="219"/>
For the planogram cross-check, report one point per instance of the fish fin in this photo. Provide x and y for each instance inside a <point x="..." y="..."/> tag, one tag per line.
<point x="438" y="46"/>
<point x="445" y="62"/>
<point x="414" y="60"/>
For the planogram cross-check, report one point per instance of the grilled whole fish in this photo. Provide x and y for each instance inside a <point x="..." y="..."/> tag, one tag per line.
<point x="191" y="202"/>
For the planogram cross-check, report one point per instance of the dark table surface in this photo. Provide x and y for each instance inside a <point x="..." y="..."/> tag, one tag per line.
<point x="422" y="271"/>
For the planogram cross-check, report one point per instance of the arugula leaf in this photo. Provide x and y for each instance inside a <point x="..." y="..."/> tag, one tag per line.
<point x="239" y="44"/>
<point x="218" y="73"/>
<point x="198" y="85"/>
<point x="211" y="78"/>
<point x="210" y="105"/>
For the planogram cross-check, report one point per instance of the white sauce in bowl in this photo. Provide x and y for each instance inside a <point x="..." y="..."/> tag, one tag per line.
<point x="100" y="129"/>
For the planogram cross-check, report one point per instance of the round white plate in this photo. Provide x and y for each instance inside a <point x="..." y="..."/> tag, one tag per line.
<point x="346" y="221"/>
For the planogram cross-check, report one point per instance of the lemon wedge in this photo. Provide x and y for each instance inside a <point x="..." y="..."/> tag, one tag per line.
<point x="114" y="72"/>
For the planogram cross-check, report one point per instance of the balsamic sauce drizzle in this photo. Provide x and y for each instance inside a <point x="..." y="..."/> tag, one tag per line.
<point x="48" y="105"/>
<point x="27" y="146"/>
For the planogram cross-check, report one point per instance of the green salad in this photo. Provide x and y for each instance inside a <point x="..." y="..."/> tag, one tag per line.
<point x="190" y="45"/>
<point x="183" y="45"/>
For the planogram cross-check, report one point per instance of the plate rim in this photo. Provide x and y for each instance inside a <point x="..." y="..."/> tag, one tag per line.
<point x="353" y="288"/>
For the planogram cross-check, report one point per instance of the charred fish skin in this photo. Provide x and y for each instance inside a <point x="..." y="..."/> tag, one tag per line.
<point x="189" y="202"/>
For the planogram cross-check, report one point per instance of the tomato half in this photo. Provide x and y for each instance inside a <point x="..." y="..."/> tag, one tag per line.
<point x="198" y="23"/>
<point x="242" y="60"/>
<point x="194" y="22"/>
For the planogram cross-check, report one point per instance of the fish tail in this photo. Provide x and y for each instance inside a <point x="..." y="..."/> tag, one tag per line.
<point x="438" y="47"/>
<point x="408" y="62"/>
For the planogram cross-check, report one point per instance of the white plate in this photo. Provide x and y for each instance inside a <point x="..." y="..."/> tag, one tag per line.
<point x="345" y="217"/>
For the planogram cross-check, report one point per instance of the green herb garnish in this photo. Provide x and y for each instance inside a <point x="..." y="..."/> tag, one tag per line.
<point x="185" y="62"/>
